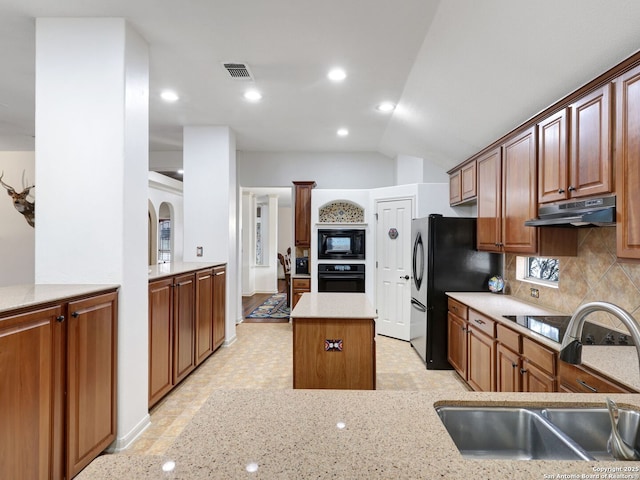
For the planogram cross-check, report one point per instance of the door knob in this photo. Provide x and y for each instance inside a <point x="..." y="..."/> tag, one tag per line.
<point x="406" y="277"/>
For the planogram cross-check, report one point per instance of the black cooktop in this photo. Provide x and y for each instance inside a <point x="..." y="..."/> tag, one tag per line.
<point x="555" y="326"/>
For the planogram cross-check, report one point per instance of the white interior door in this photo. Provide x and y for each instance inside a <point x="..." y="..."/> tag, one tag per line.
<point x="393" y="260"/>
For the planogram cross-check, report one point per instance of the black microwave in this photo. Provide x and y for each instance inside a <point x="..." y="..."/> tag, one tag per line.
<point x="338" y="244"/>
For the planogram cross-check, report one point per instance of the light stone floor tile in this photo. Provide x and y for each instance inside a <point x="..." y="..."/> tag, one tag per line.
<point x="261" y="358"/>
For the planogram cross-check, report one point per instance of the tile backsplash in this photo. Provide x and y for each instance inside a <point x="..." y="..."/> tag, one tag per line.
<point x="594" y="275"/>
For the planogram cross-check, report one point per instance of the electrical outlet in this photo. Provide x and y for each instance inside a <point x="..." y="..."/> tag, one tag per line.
<point x="198" y="251"/>
<point x="535" y="293"/>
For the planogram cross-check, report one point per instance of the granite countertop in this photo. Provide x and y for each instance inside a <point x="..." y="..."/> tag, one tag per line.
<point x="296" y="434"/>
<point x="334" y="305"/>
<point x="617" y="362"/>
<point x="22" y="296"/>
<point x="168" y="269"/>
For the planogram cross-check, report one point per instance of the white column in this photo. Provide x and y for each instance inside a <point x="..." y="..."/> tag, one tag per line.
<point x="91" y="173"/>
<point x="273" y="241"/>
<point x="211" y="207"/>
<point x="248" y="243"/>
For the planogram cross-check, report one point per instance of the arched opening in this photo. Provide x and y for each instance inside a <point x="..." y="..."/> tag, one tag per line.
<point x="165" y="236"/>
<point x="153" y="235"/>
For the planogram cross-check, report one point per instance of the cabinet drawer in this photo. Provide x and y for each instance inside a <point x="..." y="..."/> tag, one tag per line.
<point x="301" y="283"/>
<point x="541" y="356"/>
<point x="482" y="323"/>
<point x="577" y="379"/>
<point x="459" y="309"/>
<point x="508" y="338"/>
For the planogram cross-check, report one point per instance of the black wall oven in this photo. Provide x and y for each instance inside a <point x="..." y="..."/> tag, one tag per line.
<point x="340" y="277"/>
<point x="334" y="244"/>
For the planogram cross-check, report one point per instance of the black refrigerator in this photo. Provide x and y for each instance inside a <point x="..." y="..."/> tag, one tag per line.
<point x="444" y="259"/>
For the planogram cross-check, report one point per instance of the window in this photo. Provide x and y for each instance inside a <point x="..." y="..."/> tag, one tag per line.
<point x="539" y="270"/>
<point x="259" y="234"/>
<point x="164" y="247"/>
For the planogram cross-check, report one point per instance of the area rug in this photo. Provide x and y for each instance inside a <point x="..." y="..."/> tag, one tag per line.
<point x="274" y="307"/>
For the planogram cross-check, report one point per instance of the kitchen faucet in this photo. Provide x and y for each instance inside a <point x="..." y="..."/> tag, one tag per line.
<point x="571" y="352"/>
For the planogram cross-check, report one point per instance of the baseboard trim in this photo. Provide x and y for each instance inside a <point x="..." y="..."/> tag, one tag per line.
<point x="125" y="441"/>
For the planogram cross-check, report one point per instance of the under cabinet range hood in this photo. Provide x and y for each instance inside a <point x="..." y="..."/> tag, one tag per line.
<point x="600" y="211"/>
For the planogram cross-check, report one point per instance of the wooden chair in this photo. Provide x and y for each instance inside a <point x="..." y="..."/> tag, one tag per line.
<point x="285" y="261"/>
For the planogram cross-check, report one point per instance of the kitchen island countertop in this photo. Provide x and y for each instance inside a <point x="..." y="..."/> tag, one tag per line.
<point x="333" y="305"/>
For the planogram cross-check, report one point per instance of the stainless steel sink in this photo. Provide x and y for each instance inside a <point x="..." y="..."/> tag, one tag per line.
<point x="590" y="427"/>
<point x="508" y="433"/>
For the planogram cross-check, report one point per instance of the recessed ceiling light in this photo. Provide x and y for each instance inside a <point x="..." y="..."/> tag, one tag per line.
<point x="180" y="171"/>
<point x="252" y="95"/>
<point x="385" y="107"/>
<point x="342" y="132"/>
<point x="169" y="96"/>
<point x="337" y="75"/>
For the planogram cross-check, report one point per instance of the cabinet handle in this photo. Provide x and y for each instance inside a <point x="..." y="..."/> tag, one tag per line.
<point x="572" y="188"/>
<point x="561" y="190"/>
<point x="219" y="273"/>
<point x="463" y="329"/>
<point x="60" y="319"/>
<point x="588" y="387"/>
<point x="523" y="371"/>
<point x="478" y="321"/>
<point x="514" y="365"/>
<point x="75" y="314"/>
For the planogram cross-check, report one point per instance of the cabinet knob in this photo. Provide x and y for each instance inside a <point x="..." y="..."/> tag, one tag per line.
<point x="523" y="371"/>
<point x="561" y="190"/>
<point x="60" y="319"/>
<point x="406" y="277"/>
<point x="75" y="314"/>
<point x="514" y="365"/>
<point x="572" y="188"/>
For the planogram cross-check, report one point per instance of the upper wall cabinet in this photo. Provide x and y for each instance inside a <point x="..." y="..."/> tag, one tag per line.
<point x="303" y="213"/>
<point x="575" y="149"/>
<point x="462" y="184"/>
<point x="628" y="164"/>
<point x="489" y="168"/>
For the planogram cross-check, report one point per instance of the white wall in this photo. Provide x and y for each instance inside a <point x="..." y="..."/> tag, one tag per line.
<point x="17" y="237"/>
<point x="328" y="170"/>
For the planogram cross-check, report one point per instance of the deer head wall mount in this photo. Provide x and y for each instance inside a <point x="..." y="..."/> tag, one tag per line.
<point x="20" y="202"/>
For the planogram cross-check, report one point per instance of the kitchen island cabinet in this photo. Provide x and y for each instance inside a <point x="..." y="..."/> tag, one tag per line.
<point x="58" y="351"/>
<point x="334" y="341"/>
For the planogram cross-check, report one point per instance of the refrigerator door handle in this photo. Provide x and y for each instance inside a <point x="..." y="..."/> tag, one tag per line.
<point x="418" y="261"/>
<point x="417" y="305"/>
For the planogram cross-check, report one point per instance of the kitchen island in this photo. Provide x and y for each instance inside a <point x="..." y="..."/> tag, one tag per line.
<point x="334" y="341"/>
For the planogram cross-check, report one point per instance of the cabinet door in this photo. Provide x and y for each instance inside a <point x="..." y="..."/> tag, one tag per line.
<point x="219" y="305"/>
<point x="535" y="379"/>
<point x="160" y="339"/>
<point x="553" y="160"/>
<point x="519" y="193"/>
<point x="482" y="361"/>
<point x="299" y="286"/>
<point x="457" y="343"/>
<point x="30" y="352"/>
<point x="468" y="181"/>
<point x="303" y="213"/>
<point x="455" y="188"/>
<point x="508" y="377"/>
<point x="183" y="326"/>
<point x="489" y="201"/>
<point x="591" y="144"/>
<point x="204" y="314"/>
<point x="91" y="378"/>
<point x="627" y="164"/>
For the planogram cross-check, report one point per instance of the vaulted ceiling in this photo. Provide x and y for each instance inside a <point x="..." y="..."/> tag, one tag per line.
<point x="462" y="72"/>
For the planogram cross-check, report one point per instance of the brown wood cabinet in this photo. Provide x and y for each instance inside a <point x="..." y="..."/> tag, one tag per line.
<point x="204" y="315"/>
<point x="591" y="164"/>
<point x="508" y="366"/>
<point x="302" y="234"/>
<point x="298" y="287"/>
<point x="553" y="157"/>
<point x="57" y="386"/>
<point x="186" y="325"/>
<point x="581" y="379"/>
<point x="457" y="343"/>
<point x="219" y="305"/>
<point x="628" y="164"/>
<point x="91" y="379"/>
<point x="462" y="184"/>
<point x="489" y="226"/>
<point x="481" y="353"/>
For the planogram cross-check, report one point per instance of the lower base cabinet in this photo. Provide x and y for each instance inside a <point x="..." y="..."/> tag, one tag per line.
<point x="57" y="387"/>
<point x="186" y="325"/>
<point x="298" y="287"/>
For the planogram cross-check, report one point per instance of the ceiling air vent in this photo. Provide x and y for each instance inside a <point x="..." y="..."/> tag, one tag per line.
<point x="238" y="71"/>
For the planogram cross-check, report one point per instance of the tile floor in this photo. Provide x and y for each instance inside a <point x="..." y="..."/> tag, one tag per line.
<point x="261" y="358"/>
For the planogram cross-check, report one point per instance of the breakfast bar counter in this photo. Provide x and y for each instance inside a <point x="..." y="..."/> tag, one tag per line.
<point x="334" y="341"/>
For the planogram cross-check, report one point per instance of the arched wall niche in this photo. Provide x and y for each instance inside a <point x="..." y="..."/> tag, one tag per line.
<point x="341" y="211"/>
<point x="153" y="234"/>
<point x="165" y="238"/>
